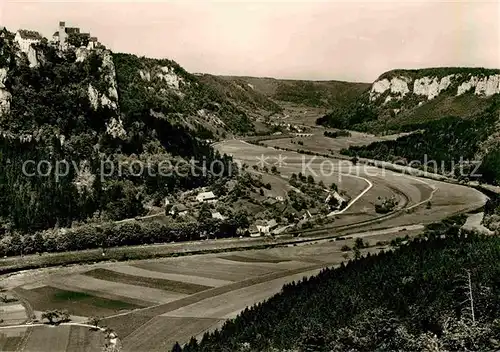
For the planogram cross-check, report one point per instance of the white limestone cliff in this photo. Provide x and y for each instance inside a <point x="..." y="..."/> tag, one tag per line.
<point x="32" y="57"/>
<point x="487" y="85"/>
<point x="432" y="86"/>
<point x="145" y="75"/>
<point x="109" y="67"/>
<point x="110" y="98"/>
<point x="168" y="75"/>
<point x="5" y="96"/>
<point x="93" y="97"/>
<point x="100" y="100"/>
<point x="398" y="87"/>
<point x="115" y="128"/>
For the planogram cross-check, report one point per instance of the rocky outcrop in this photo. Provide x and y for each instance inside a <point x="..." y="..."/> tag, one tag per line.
<point x="110" y="76"/>
<point x="164" y="73"/>
<point x="93" y="97"/>
<point x="32" y="57"/>
<point x="399" y="86"/>
<point x="487" y="85"/>
<point x="431" y="86"/>
<point x="115" y="128"/>
<point x="5" y="96"/>
<point x="145" y="75"/>
<point x="81" y="54"/>
<point x="98" y="100"/>
<point x="168" y="75"/>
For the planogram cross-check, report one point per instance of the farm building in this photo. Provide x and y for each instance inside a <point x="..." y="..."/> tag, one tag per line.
<point x="313" y="212"/>
<point x="254" y="231"/>
<point x="179" y="209"/>
<point x="270" y="201"/>
<point x="335" y="195"/>
<point x="264" y="226"/>
<point x="272" y="224"/>
<point x="219" y="216"/>
<point x="208" y="197"/>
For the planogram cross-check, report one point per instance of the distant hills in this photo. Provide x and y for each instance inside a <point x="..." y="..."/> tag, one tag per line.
<point x="308" y="93"/>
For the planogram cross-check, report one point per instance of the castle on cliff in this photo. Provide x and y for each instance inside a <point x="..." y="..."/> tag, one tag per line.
<point x="61" y="37"/>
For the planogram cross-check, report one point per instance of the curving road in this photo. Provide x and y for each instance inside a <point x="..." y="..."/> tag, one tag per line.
<point x="414" y="192"/>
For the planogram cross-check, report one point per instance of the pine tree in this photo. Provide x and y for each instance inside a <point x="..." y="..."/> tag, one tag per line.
<point x="177" y="347"/>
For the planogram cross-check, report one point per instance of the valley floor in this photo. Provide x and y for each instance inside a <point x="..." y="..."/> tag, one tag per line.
<point x="151" y="304"/>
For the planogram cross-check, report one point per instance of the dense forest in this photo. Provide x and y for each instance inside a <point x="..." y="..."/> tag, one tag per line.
<point x="416" y="297"/>
<point x="108" y="235"/>
<point x="350" y="116"/>
<point x="89" y="110"/>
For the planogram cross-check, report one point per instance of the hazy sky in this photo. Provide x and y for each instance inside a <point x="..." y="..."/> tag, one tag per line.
<point x="344" y="40"/>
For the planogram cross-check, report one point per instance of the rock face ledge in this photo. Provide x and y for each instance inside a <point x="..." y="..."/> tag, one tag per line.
<point x="5" y="96"/>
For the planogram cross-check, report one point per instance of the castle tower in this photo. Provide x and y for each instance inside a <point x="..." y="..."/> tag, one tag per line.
<point x="62" y="35"/>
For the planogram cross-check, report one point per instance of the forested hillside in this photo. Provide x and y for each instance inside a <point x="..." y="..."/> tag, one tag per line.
<point x="304" y="93"/>
<point x="414" y="298"/>
<point x="80" y="109"/>
<point x="178" y="95"/>
<point x="242" y="94"/>
<point x="456" y="146"/>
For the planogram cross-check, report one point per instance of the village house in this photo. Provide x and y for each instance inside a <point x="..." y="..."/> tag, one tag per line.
<point x="25" y="39"/>
<point x="313" y="212"/>
<point x="264" y="227"/>
<point x="208" y="197"/>
<point x="270" y="201"/>
<point x="219" y="216"/>
<point x="93" y="43"/>
<point x="254" y="231"/>
<point x="302" y="215"/>
<point x="272" y="224"/>
<point x="340" y="200"/>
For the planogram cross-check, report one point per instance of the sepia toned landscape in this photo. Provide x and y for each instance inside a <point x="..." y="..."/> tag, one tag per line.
<point x="249" y="177"/>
